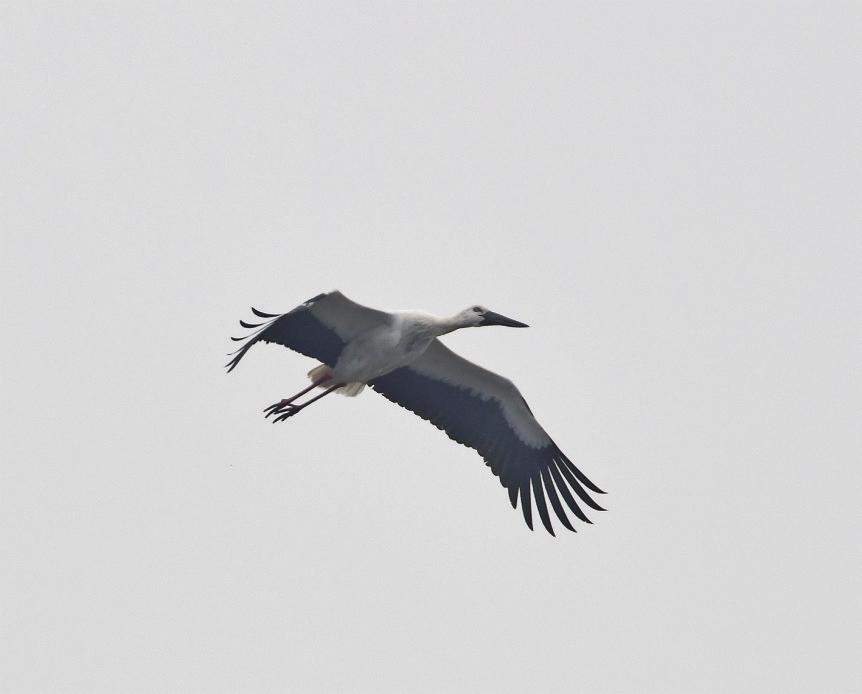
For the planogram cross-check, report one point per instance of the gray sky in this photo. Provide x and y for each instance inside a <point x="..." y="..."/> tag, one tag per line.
<point x="668" y="193"/>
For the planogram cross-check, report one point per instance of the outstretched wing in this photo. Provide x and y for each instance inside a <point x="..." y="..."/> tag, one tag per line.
<point x="319" y="328"/>
<point x="486" y="412"/>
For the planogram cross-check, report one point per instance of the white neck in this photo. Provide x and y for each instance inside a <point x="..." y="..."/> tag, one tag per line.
<point x="443" y="326"/>
<point x="434" y="326"/>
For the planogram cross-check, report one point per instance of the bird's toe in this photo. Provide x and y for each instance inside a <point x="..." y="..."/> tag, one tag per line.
<point x="288" y="412"/>
<point x="275" y="408"/>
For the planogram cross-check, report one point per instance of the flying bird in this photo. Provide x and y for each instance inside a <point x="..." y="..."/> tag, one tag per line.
<point x="399" y="355"/>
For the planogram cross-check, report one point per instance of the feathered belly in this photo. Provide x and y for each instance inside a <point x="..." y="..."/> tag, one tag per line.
<point x="364" y="360"/>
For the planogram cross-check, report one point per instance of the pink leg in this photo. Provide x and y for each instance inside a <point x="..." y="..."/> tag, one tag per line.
<point x="288" y="410"/>
<point x="281" y="403"/>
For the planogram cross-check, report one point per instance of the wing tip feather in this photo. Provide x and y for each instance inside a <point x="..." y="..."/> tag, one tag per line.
<point x="513" y="496"/>
<point x="525" y="504"/>
<point x="555" y="500"/>
<point x="586" y="481"/>
<point x="541" y="505"/>
<point x="263" y="314"/>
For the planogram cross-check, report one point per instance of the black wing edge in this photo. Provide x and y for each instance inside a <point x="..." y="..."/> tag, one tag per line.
<point x="298" y="330"/>
<point x="549" y="471"/>
<point x="253" y="337"/>
<point x="557" y="477"/>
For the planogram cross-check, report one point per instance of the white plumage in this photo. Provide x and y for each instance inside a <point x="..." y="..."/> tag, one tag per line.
<point x="399" y="355"/>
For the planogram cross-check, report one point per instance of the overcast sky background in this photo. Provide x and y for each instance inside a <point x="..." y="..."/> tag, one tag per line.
<point x="669" y="194"/>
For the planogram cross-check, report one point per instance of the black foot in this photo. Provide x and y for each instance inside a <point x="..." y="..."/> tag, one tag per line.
<point x="275" y="406"/>
<point x="282" y="409"/>
<point x="288" y="411"/>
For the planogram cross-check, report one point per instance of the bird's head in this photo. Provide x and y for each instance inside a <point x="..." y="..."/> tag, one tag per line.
<point x="479" y="316"/>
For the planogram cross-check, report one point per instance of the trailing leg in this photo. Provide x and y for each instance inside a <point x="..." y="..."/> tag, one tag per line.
<point x="286" y="401"/>
<point x="288" y="409"/>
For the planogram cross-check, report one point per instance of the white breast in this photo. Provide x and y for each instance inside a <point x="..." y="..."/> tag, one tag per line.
<point x="383" y="349"/>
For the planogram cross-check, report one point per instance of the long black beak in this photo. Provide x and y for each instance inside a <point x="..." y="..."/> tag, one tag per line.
<point x="491" y="318"/>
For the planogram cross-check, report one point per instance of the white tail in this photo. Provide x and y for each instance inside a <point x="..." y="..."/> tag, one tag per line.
<point x="351" y="390"/>
<point x="322" y="374"/>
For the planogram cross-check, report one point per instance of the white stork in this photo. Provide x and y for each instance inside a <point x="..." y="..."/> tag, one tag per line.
<point x="400" y="356"/>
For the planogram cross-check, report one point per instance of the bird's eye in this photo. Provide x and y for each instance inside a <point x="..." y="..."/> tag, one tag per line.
<point x="477" y="309"/>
